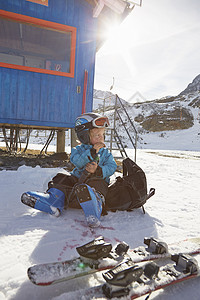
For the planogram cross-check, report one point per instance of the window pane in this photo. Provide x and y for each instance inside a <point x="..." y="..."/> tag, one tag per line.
<point x="30" y="45"/>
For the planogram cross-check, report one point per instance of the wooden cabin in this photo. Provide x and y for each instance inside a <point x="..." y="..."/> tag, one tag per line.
<point x="47" y="58"/>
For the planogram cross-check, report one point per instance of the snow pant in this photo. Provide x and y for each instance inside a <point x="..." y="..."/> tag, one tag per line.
<point x="65" y="183"/>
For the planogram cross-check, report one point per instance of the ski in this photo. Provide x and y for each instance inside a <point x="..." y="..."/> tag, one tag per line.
<point x="136" y="280"/>
<point x="157" y="249"/>
<point x="98" y="255"/>
<point x="95" y="256"/>
<point x="131" y="280"/>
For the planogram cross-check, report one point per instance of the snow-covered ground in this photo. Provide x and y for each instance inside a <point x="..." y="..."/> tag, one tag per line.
<point x="29" y="237"/>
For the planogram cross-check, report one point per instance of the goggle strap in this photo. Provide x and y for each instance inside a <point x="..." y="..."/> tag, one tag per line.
<point x="83" y="126"/>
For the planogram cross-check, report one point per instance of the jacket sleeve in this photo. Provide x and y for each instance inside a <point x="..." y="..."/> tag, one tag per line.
<point x="108" y="165"/>
<point x="80" y="156"/>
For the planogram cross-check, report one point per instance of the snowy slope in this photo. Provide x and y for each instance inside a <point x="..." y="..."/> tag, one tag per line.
<point x="183" y="139"/>
<point x="29" y="237"/>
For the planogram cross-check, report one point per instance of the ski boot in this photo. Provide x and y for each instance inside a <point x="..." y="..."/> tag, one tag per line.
<point x="51" y="202"/>
<point x="91" y="203"/>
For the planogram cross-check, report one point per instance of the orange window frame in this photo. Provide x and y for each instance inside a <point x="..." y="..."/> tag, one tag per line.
<point x="45" y="24"/>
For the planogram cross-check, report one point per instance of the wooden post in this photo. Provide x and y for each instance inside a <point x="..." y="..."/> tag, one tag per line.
<point x="74" y="138"/>
<point x="60" y="141"/>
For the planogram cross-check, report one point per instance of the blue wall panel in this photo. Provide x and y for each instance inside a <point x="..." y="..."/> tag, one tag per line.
<point x="38" y="99"/>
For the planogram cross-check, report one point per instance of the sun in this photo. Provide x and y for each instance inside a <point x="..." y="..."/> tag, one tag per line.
<point x="116" y="38"/>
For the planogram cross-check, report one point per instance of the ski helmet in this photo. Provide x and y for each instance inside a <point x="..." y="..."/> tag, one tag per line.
<point x="88" y="121"/>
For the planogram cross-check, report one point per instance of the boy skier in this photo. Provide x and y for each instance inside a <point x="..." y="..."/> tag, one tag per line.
<point x="87" y="185"/>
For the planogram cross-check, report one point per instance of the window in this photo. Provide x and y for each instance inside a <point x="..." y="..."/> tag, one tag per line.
<point x="36" y="45"/>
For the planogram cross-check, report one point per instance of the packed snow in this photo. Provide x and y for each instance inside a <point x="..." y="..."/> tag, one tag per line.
<point x="30" y="237"/>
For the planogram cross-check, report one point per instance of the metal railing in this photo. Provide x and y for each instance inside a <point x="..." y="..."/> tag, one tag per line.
<point x="129" y="129"/>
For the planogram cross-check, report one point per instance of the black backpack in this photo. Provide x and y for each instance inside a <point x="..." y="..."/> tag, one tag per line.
<point x="130" y="191"/>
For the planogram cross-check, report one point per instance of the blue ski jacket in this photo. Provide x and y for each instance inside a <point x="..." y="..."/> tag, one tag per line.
<point x="81" y="155"/>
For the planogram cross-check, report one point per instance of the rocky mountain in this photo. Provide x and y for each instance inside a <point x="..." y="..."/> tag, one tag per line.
<point x="161" y="118"/>
<point x="193" y="87"/>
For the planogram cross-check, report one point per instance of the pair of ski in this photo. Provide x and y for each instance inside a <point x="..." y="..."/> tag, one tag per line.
<point x="132" y="272"/>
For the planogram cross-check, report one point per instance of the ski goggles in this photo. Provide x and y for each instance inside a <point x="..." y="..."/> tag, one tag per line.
<point x="100" y="122"/>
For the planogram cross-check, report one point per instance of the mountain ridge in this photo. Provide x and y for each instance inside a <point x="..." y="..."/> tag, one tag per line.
<point x="192" y="87"/>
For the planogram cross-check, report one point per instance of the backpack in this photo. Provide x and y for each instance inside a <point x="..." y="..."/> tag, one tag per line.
<point x="130" y="191"/>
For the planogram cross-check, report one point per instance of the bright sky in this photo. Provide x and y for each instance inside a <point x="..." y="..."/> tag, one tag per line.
<point x="155" y="51"/>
